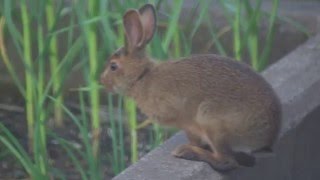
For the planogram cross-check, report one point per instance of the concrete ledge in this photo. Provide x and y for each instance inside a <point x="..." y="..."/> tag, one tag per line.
<point x="296" y="79"/>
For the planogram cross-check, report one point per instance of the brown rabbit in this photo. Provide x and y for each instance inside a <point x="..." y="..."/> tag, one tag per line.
<point x="226" y="109"/>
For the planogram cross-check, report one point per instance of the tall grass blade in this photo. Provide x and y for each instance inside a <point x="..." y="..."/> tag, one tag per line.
<point x="132" y="118"/>
<point x="270" y="36"/>
<point x="52" y="18"/>
<point x="13" y="145"/>
<point x="173" y="24"/>
<point x="253" y="31"/>
<point x="237" y="32"/>
<point x="6" y="60"/>
<point x="114" y="137"/>
<point x="121" y="135"/>
<point x="28" y="73"/>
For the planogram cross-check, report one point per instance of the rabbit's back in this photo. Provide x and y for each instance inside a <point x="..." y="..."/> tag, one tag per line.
<point x="211" y="77"/>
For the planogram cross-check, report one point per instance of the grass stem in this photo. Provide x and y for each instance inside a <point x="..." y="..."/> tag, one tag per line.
<point x="28" y="73"/>
<point x="54" y="61"/>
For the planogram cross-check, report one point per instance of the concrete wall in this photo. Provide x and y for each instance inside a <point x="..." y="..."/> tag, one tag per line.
<point x="296" y="79"/>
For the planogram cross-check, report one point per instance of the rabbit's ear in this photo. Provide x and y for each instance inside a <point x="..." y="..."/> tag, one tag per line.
<point x="134" y="30"/>
<point x="149" y="20"/>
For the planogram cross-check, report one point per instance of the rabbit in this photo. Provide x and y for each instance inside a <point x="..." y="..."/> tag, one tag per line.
<point x="228" y="111"/>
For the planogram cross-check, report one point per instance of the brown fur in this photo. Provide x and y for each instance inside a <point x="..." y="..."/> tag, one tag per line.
<point x="220" y="103"/>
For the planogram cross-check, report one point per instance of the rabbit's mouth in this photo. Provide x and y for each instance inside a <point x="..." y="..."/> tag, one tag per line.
<point x="117" y="89"/>
<point x="107" y="84"/>
<point x="110" y="86"/>
<point x="107" y="88"/>
<point x="113" y="89"/>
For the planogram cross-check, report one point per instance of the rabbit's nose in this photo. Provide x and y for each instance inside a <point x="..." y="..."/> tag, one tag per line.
<point x="103" y="76"/>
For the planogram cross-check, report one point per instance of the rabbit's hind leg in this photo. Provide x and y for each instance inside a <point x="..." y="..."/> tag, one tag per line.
<point x="197" y="141"/>
<point x="224" y="153"/>
<point x="196" y="153"/>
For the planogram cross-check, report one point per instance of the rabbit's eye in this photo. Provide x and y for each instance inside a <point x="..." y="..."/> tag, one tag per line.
<point x="113" y="66"/>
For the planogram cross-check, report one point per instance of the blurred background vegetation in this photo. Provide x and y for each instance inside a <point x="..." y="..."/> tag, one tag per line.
<point x="62" y="47"/>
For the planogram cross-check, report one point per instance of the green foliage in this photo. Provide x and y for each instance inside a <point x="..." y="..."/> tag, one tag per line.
<point x="88" y="155"/>
<point x="245" y="18"/>
<point x="35" y="168"/>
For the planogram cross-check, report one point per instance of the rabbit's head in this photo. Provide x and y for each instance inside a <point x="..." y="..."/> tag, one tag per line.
<point x="129" y="63"/>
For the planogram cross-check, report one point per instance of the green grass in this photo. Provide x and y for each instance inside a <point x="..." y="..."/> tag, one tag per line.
<point x="89" y="156"/>
<point x="117" y="158"/>
<point x="52" y="18"/>
<point x="35" y="169"/>
<point x="246" y="18"/>
<point x="91" y="32"/>
<point x="29" y="97"/>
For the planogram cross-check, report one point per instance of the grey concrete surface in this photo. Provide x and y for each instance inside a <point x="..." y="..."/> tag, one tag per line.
<point x="296" y="79"/>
